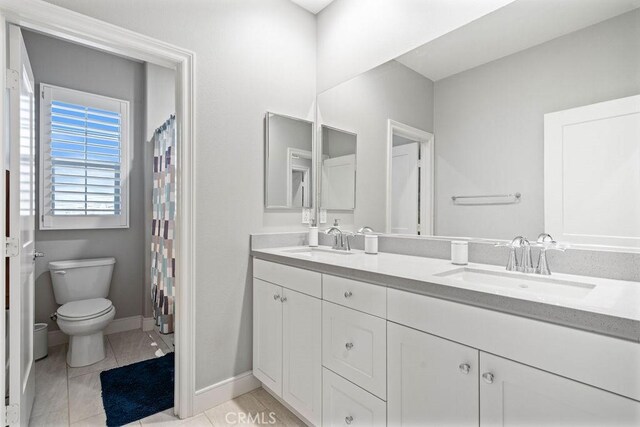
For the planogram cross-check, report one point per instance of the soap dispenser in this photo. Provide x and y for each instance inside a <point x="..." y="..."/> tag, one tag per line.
<point x="313" y="234"/>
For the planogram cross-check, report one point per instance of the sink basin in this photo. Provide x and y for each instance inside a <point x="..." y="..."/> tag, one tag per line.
<point x="541" y="286"/>
<point x="313" y="251"/>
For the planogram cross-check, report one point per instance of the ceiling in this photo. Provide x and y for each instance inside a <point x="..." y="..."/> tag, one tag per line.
<point x="313" y="6"/>
<point x="512" y="28"/>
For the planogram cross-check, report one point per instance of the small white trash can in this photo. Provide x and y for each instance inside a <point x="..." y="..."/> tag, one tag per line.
<point x="40" y="341"/>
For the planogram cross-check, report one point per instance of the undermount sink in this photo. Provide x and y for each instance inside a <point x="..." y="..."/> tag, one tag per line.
<point x="542" y="286"/>
<point x="318" y="250"/>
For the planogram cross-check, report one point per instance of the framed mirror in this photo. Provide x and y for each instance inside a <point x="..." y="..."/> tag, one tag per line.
<point x="497" y="129"/>
<point x="288" y="162"/>
<point x="338" y="169"/>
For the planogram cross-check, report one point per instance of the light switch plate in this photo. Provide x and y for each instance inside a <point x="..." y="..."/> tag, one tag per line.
<point x="323" y="216"/>
<point x="306" y="215"/>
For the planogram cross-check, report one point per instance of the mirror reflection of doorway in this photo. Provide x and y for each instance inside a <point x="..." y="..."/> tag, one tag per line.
<point x="299" y="182"/>
<point x="410" y="181"/>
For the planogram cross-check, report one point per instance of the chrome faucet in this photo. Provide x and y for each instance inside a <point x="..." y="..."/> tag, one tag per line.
<point x="341" y="239"/>
<point x="544" y="241"/>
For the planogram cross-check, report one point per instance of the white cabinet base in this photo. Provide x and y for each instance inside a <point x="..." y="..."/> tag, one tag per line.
<point x="524" y="396"/>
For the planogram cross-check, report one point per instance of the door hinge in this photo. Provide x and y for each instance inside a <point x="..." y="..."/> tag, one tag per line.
<point x="11" y="247"/>
<point x="13" y="79"/>
<point x="11" y="415"/>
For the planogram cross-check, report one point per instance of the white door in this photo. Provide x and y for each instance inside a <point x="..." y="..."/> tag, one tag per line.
<point x="519" y="395"/>
<point x="301" y="358"/>
<point x="592" y="173"/>
<point x="267" y="334"/>
<point x="22" y="226"/>
<point x="431" y="381"/>
<point x="339" y="182"/>
<point x="404" y="189"/>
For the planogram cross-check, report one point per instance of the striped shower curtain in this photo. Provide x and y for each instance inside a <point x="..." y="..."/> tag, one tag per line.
<point x="163" y="262"/>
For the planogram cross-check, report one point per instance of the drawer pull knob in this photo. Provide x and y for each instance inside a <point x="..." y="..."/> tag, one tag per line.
<point x="464" y="368"/>
<point x="349" y="345"/>
<point x="283" y="299"/>
<point x="348" y="419"/>
<point x="488" y="377"/>
<point x="348" y="294"/>
<point x="276" y="297"/>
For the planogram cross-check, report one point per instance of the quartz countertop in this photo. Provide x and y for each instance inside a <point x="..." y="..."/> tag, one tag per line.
<point x="609" y="307"/>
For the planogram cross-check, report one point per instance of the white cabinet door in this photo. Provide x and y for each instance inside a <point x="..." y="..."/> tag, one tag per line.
<point x="267" y="334"/>
<point x="431" y="381"/>
<point x="302" y="355"/>
<point x="519" y="395"/>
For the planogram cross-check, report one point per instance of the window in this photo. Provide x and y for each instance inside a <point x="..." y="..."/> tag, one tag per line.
<point x="84" y="160"/>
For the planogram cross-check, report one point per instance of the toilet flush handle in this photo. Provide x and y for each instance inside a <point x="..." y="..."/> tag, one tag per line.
<point x="60" y="272"/>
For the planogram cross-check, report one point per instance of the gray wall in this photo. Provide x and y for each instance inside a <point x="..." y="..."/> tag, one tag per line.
<point x="489" y="122"/>
<point x="68" y="65"/>
<point x="363" y="105"/>
<point x="252" y="56"/>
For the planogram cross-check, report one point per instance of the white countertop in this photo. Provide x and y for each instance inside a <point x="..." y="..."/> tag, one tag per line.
<point x="595" y="309"/>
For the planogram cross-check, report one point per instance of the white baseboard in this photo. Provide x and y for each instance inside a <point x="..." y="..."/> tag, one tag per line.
<point x="117" y="325"/>
<point x="224" y="391"/>
<point x="148" y="323"/>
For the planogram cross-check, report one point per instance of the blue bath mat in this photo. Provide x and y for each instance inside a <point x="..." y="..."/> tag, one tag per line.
<point x="135" y="391"/>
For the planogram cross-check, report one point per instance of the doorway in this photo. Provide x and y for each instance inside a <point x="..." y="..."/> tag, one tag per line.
<point x="66" y="25"/>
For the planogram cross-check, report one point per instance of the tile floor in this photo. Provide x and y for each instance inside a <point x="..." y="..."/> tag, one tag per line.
<point x="72" y="396"/>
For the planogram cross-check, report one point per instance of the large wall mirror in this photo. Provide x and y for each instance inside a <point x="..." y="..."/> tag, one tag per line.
<point x="524" y="121"/>
<point x="288" y="162"/>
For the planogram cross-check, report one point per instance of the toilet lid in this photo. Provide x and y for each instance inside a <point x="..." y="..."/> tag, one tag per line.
<point x="83" y="309"/>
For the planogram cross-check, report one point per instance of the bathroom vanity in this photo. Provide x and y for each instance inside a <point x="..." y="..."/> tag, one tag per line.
<point x="349" y="338"/>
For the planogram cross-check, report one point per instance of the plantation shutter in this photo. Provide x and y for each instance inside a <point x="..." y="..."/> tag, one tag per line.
<point x="84" y="160"/>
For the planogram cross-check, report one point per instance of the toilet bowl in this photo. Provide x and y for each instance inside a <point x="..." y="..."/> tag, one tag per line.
<point x="84" y="321"/>
<point x="81" y="287"/>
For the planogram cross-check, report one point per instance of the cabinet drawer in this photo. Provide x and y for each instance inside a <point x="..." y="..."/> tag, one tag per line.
<point x="305" y="281"/>
<point x="361" y="296"/>
<point x="344" y="403"/>
<point x="354" y="345"/>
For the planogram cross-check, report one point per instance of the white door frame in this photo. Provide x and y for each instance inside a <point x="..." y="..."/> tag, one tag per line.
<point x="427" y="181"/>
<point x="74" y="27"/>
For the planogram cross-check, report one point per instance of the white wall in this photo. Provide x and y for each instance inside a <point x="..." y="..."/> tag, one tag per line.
<point x="251" y="56"/>
<point x="489" y="122"/>
<point x="363" y="105"/>
<point x="160" y="96"/>
<point x="357" y="35"/>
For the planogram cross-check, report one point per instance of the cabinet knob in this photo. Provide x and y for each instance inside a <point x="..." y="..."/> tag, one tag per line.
<point x="464" y="368"/>
<point x="349" y="345"/>
<point x="283" y="299"/>
<point x="488" y="377"/>
<point x="348" y="294"/>
<point x="348" y="419"/>
<point x="276" y="297"/>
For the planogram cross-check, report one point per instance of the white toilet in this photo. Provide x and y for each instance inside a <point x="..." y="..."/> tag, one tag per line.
<point x="82" y="287"/>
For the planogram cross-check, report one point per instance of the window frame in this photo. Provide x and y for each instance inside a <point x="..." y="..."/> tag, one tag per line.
<point x="48" y="221"/>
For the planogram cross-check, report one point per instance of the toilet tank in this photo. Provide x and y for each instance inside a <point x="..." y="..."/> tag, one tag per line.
<point x="80" y="279"/>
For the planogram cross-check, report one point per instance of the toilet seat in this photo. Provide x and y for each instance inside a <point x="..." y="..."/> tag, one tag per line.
<point x="84" y="309"/>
